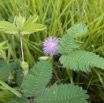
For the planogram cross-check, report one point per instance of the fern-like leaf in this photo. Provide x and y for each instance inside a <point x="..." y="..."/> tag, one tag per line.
<point x="63" y="94"/>
<point x="82" y="60"/>
<point x="68" y="42"/>
<point x="37" y="78"/>
<point x="77" y="30"/>
<point x="4" y="72"/>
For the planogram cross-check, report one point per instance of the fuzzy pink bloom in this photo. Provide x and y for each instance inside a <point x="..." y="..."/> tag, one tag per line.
<point x="50" y="46"/>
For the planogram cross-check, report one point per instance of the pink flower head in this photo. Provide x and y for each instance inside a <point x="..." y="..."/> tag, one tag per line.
<point x="50" y="46"/>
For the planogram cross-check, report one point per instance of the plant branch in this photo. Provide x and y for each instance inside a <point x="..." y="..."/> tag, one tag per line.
<point x="21" y="41"/>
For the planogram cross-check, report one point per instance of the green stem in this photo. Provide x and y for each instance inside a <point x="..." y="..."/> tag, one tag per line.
<point x="21" y="41"/>
<point x="69" y="76"/>
<point x="54" y="71"/>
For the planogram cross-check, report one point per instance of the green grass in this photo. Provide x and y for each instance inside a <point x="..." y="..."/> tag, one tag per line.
<point x="59" y="15"/>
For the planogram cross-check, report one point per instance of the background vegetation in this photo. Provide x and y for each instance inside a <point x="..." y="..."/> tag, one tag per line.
<point x="58" y="16"/>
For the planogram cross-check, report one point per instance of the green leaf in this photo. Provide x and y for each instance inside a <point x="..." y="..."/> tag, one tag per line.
<point x="37" y="79"/>
<point x="63" y="94"/>
<point x="82" y="60"/>
<point x="19" y="77"/>
<point x="31" y="28"/>
<point x="68" y="44"/>
<point x="22" y="25"/>
<point x="8" y="28"/>
<point x="9" y="88"/>
<point x="15" y="67"/>
<point x="30" y="20"/>
<point x="4" y="72"/>
<point x="19" y="21"/>
<point x="77" y="30"/>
